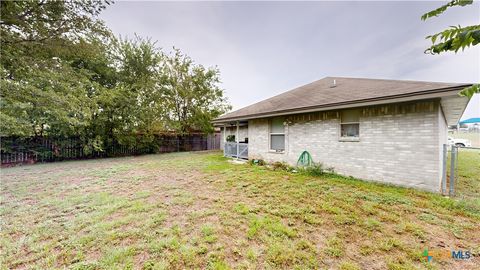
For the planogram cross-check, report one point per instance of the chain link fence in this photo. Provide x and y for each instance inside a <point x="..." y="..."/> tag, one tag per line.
<point x="461" y="175"/>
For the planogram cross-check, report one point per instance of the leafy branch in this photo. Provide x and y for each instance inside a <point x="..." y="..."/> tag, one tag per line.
<point x="440" y="10"/>
<point x="454" y="38"/>
<point x="471" y="90"/>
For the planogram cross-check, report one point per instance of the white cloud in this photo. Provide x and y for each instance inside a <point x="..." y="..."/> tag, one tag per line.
<point x="265" y="48"/>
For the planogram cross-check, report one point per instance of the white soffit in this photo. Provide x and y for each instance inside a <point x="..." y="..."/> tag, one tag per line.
<point x="453" y="107"/>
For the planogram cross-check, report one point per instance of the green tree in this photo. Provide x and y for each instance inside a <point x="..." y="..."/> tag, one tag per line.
<point x="133" y="106"/>
<point x="454" y="38"/>
<point x="44" y="90"/>
<point x="192" y="94"/>
<point x="64" y="74"/>
<point x="156" y="92"/>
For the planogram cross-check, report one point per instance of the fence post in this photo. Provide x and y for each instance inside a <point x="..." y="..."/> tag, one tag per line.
<point x="444" y="170"/>
<point x="452" y="170"/>
<point x="237" y="139"/>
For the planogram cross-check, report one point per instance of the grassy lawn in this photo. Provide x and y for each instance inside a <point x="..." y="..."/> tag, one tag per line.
<point x="196" y="210"/>
<point x="468" y="175"/>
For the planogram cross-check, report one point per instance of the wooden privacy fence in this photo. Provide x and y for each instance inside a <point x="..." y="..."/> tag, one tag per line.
<point x="17" y="150"/>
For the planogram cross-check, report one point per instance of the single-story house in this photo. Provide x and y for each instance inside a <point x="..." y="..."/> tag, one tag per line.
<point x="390" y="131"/>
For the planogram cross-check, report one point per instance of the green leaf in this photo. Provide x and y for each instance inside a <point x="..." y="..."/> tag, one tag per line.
<point x="470" y="91"/>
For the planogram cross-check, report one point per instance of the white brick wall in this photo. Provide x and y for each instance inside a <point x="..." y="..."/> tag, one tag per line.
<point x="399" y="148"/>
<point x="443" y="135"/>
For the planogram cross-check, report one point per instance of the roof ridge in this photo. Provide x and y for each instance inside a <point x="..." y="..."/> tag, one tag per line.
<point x="392" y="80"/>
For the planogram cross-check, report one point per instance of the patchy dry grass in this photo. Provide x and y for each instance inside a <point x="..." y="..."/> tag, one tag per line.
<point x="196" y="210"/>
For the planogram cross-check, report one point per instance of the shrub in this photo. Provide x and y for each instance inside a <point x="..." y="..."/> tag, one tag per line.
<point x="281" y="166"/>
<point x="230" y="138"/>
<point x="317" y="169"/>
<point x="259" y="162"/>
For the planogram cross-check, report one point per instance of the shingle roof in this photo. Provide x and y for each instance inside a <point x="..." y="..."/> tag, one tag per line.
<point x="320" y="94"/>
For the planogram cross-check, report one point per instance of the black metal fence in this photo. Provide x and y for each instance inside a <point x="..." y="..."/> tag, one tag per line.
<point x="17" y="150"/>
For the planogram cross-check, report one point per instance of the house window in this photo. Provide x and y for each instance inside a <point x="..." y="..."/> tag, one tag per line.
<point x="350" y="124"/>
<point x="277" y="134"/>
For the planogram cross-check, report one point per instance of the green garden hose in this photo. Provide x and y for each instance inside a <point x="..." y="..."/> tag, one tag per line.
<point x="305" y="159"/>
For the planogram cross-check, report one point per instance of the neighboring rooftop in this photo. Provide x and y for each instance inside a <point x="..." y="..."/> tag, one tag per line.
<point x="471" y="121"/>
<point x="337" y="92"/>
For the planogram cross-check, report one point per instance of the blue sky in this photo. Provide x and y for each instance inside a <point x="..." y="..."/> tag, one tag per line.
<point x="265" y="48"/>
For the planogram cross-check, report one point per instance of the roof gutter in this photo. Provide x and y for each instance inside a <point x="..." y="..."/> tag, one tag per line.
<point x="428" y="94"/>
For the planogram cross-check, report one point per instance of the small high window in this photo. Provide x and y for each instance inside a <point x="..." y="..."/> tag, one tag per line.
<point x="277" y="134"/>
<point x="350" y="124"/>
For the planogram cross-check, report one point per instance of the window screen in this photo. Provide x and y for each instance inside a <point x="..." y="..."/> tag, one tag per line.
<point x="277" y="134"/>
<point x="277" y="125"/>
<point x="350" y="116"/>
<point x="277" y="142"/>
<point x="350" y="126"/>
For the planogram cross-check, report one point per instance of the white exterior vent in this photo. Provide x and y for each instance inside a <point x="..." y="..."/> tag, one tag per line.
<point x="334" y="84"/>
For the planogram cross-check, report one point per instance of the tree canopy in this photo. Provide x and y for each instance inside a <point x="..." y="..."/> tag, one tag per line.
<point x="454" y="38"/>
<point x="63" y="73"/>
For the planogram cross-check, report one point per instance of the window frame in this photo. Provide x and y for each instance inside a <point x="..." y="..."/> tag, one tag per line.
<point x="349" y="138"/>
<point x="270" y="133"/>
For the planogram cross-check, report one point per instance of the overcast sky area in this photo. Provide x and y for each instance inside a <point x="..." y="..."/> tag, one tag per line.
<point x="265" y="48"/>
